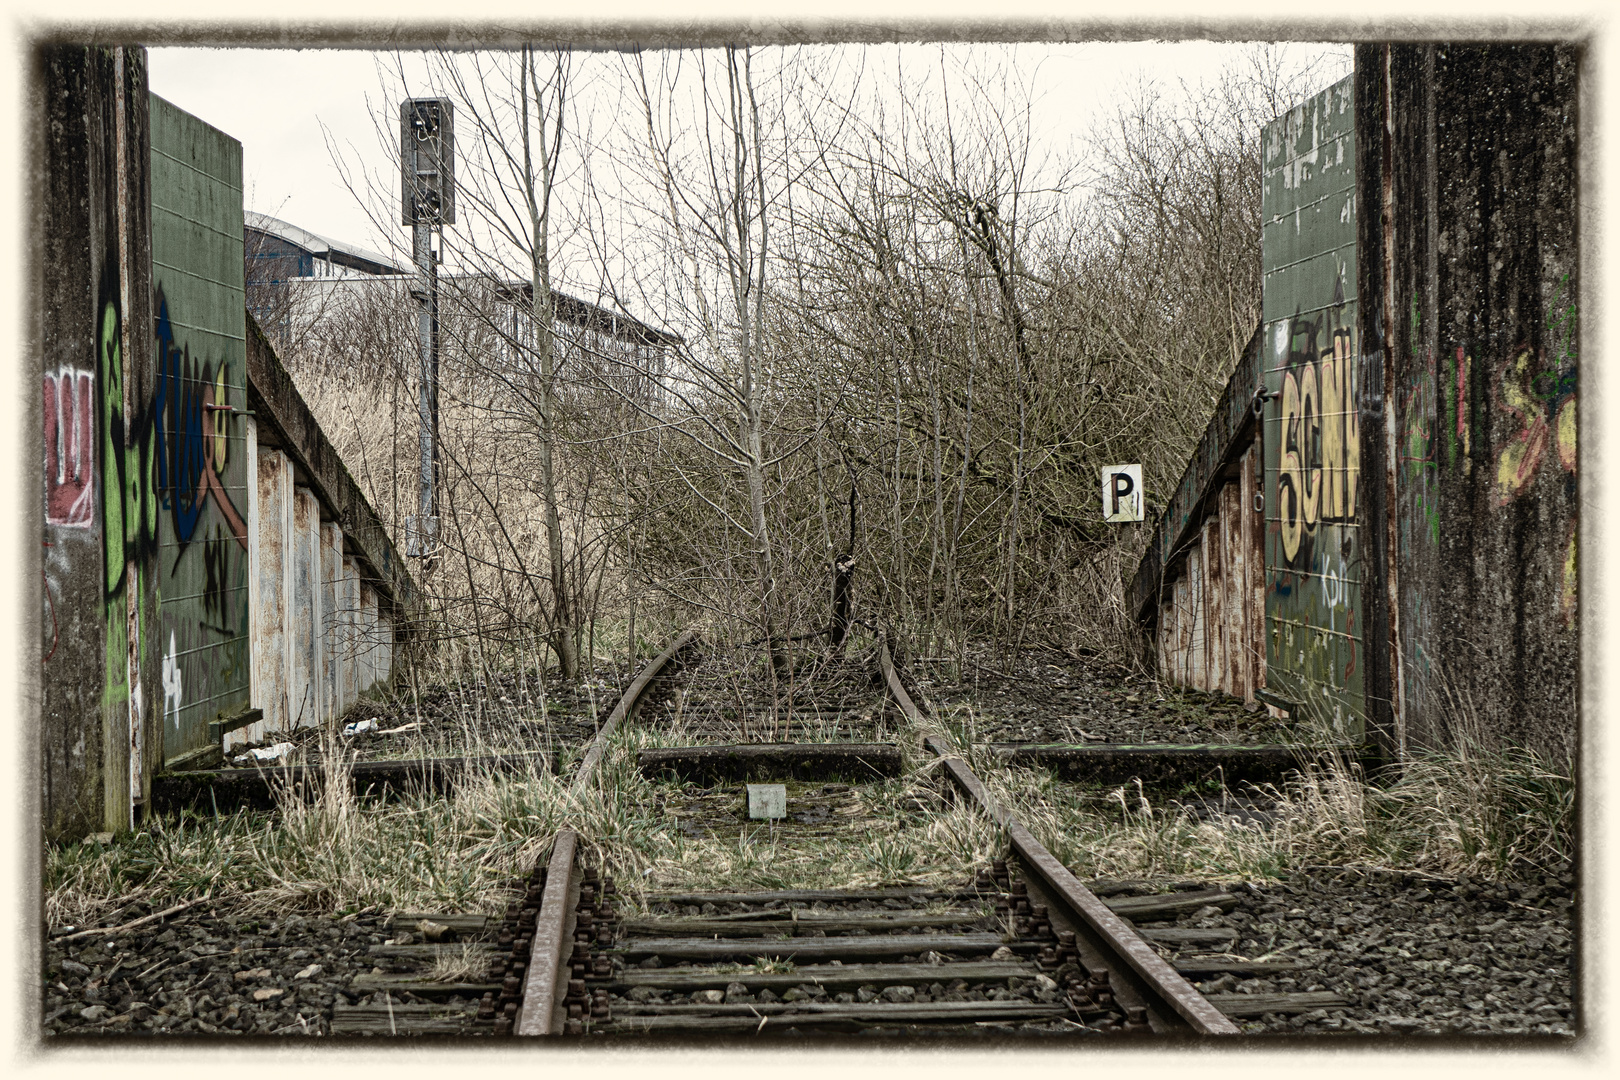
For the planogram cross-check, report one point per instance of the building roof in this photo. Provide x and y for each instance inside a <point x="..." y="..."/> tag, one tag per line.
<point x="333" y="251"/>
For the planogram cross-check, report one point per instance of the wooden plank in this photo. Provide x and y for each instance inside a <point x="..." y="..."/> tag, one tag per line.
<point x="461" y="923"/>
<point x="818" y="948"/>
<point x="805" y="923"/>
<point x="256" y="787"/>
<point x="1181" y="935"/>
<point x="430" y="951"/>
<point x="1170" y="764"/>
<point x="540" y="988"/>
<point x="430" y="1019"/>
<point x="871" y="1014"/>
<point x="773" y="761"/>
<point x="1209" y="965"/>
<point x="827" y="975"/>
<point x="413" y="984"/>
<point x="1168" y="905"/>
<point x="1121" y="938"/>
<point x="870" y="1011"/>
<point x="805" y="896"/>
<point x="1259" y="1004"/>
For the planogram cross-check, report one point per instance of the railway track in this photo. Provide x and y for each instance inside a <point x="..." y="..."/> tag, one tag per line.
<point x="1020" y="948"/>
<point x="1017" y="948"/>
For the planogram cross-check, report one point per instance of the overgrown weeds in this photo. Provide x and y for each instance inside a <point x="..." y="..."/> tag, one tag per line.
<point x="1494" y="815"/>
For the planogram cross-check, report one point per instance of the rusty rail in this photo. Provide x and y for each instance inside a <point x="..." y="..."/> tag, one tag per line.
<point x="541" y="992"/>
<point x="1164" y="991"/>
<point x="627" y="704"/>
<point x="551" y="945"/>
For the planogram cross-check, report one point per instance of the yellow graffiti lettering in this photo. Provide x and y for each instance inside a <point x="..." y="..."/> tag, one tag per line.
<point x="1288" y="469"/>
<point x="1310" y="415"/>
<point x="1332" y="434"/>
<point x="1516" y="464"/>
<point x="1566" y="435"/>
<point x="1569" y="595"/>
<point x="219" y="420"/>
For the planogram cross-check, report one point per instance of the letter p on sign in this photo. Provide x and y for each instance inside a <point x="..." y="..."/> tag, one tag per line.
<point x="1122" y="492"/>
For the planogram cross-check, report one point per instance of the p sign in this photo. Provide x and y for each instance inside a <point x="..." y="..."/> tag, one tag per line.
<point x="1122" y="492"/>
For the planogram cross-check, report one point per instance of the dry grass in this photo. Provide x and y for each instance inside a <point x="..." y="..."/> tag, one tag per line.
<point x="1489" y="814"/>
<point x="1495" y="816"/>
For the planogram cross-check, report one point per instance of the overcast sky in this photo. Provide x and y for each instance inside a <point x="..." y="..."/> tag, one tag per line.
<point x="277" y="103"/>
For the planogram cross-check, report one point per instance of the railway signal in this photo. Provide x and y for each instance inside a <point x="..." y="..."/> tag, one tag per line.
<point x="427" y="202"/>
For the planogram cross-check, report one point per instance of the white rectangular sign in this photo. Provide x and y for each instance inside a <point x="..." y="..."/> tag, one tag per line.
<point x="1122" y="492"/>
<point x="767" y="802"/>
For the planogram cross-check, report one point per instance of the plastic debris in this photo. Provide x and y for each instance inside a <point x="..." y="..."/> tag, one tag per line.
<point x="360" y="727"/>
<point x="266" y="753"/>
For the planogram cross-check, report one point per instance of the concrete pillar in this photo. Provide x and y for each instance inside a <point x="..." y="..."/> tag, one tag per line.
<point x="303" y="698"/>
<point x="267" y="603"/>
<point x="349" y="683"/>
<point x="364" y="653"/>
<point x="385" y="648"/>
<point x="1195" y="595"/>
<point x="331" y="617"/>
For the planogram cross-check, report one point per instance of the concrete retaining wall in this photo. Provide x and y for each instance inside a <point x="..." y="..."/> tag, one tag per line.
<point x="1422" y="523"/>
<point x="175" y="433"/>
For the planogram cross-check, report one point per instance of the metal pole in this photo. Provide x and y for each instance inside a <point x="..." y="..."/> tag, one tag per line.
<point x="427" y="390"/>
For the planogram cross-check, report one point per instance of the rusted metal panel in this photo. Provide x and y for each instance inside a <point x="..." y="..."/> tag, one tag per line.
<point x="285" y="417"/>
<point x="1250" y="623"/>
<point x="1231" y="602"/>
<point x="303" y="582"/>
<point x="255" y="731"/>
<point x="385" y="648"/>
<point x="1214" y="595"/>
<point x="1195" y="601"/>
<point x="1312" y="450"/>
<point x="201" y="458"/>
<point x="1224" y="437"/>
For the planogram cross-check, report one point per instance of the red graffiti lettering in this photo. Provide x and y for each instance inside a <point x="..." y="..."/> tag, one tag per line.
<point x="70" y="448"/>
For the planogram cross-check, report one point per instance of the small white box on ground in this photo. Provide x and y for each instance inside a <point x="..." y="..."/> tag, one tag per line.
<point x="767" y="801"/>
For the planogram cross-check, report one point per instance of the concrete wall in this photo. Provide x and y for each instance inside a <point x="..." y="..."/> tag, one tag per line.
<point x="175" y="528"/>
<point x="201" y="396"/>
<point x="1420" y="425"/>
<point x="1472" y="299"/>
<point x="100" y="690"/>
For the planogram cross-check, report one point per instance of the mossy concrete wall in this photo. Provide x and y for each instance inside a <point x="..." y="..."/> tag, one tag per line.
<point x="100" y="685"/>
<point x="1470" y="284"/>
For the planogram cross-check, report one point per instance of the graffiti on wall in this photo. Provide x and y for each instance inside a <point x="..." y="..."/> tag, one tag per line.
<point x="1320" y="463"/>
<point x="128" y="528"/>
<point x="193" y="443"/>
<point x="70" y="447"/>
<point x="204" y="550"/>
